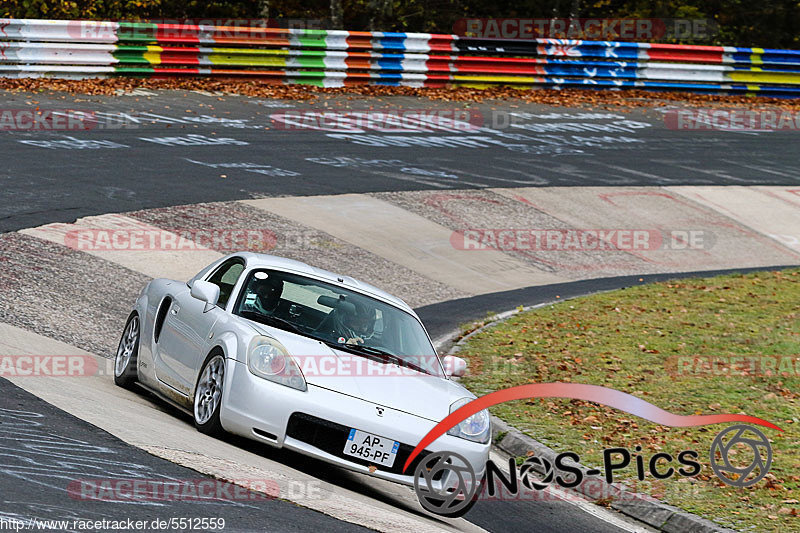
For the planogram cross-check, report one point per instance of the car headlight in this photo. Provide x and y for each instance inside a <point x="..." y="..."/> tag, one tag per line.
<point x="268" y="359"/>
<point x="477" y="428"/>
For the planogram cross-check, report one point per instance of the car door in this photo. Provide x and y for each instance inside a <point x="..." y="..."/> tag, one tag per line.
<point x="185" y="336"/>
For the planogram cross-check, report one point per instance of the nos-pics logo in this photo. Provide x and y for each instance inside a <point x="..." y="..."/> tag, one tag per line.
<point x="446" y="484"/>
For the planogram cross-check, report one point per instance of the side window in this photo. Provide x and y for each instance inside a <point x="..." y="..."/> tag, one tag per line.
<point x="225" y="278"/>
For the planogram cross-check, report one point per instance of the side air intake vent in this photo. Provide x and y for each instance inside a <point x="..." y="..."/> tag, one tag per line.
<point x="161" y="316"/>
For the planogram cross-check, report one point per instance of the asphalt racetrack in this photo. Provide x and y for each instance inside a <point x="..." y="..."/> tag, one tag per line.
<point x="139" y="152"/>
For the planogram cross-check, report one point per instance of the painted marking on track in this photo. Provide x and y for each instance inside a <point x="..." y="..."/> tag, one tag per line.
<point x="194" y="140"/>
<point x="748" y="205"/>
<point x="73" y="143"/>
<point x="762" y="169"/>
<point x="256" y="168"/>
<point x="717" y="173"/>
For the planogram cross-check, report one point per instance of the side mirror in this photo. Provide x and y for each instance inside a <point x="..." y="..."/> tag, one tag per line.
<point x="455" y="366"/>
<point x="205" y="292"/>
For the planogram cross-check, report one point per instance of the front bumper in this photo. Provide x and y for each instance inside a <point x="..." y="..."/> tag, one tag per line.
<point x="316" y="423"/>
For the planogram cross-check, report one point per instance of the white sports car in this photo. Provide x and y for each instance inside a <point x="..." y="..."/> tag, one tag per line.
<point x="293" y="356"/>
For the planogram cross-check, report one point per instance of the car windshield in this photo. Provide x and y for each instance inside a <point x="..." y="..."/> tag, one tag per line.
<point x="342" y="318"/>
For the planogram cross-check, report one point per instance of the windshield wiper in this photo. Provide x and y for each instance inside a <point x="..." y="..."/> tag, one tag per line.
<point x="399" y="361"/>
<point x="370" y="349"/>
<point x="272" y="321"/>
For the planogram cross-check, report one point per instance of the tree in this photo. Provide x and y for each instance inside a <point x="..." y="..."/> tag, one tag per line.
<point x="337" y="15"/>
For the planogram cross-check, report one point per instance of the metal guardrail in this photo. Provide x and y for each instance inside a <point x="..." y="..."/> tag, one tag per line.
<point x="82" y="49"/>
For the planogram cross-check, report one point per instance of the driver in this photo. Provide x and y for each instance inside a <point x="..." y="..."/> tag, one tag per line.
<point x="268" y="295"/>
<point x="355" y="327"/>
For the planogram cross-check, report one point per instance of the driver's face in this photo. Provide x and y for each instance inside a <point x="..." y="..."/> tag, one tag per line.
<point x="360" y="323"/>
<point x="267" y="292"/>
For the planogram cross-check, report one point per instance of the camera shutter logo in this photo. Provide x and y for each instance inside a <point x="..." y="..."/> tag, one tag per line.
<point x="445" y="484"/>
<point x="537" y="464"/>
<point x="726" y="441"/>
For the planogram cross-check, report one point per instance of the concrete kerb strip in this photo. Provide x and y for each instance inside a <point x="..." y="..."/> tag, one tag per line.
<point x="644" y="508"/>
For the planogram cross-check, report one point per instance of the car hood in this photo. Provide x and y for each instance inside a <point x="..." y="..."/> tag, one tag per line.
<point x="383" y="384"/>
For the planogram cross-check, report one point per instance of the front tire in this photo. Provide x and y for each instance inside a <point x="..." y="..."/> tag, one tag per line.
<point x="126" y="360"/>
<point x="208" y="395"/>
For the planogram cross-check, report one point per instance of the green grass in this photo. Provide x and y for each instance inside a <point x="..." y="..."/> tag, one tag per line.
<point x="629" y="340"/>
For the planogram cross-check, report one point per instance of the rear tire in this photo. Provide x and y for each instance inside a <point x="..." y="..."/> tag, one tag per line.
<point x="126" y="361"/>
<point x="208" y="395"/>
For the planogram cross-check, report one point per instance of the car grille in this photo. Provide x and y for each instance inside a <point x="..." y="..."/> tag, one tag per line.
<point x="331" y="437"/>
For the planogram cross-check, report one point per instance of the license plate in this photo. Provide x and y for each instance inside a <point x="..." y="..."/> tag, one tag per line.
<point x="372" y="448"/>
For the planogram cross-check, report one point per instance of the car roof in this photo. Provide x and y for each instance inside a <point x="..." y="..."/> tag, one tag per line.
<point x="274" y="262"/>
